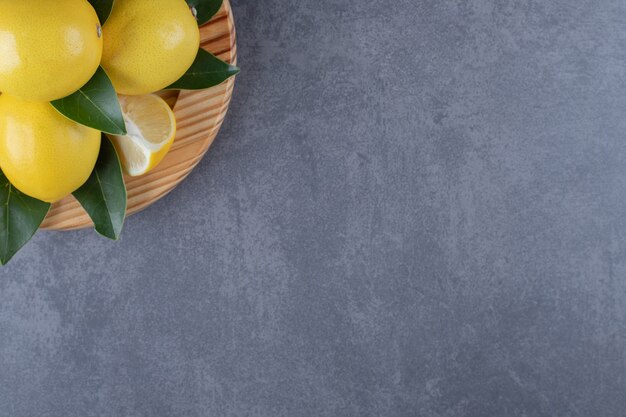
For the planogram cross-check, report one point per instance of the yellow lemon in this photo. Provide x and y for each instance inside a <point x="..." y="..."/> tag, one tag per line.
<point x="151" y="129"/>
<point x="149" y="44"/>
<point x="48" y="49"/>
<point x="42" y="153"/>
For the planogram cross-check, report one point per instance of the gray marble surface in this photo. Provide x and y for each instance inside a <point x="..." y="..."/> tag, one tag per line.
<point x="415" y="208"/>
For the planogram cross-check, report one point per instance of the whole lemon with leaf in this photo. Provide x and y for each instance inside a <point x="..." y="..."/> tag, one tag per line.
<point x="149" y="44"/>
<point x="48" y="49"/>
<point x="42" y="153"/>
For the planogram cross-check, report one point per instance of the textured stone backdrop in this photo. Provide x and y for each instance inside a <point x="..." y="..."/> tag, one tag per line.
<point x="415" y="208"/>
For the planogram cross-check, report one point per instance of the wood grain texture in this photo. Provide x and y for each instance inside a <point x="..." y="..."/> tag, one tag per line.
<point x="199" y="116"/>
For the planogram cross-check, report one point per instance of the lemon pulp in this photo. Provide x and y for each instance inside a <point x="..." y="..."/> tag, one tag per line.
<point x="151" y="128"/>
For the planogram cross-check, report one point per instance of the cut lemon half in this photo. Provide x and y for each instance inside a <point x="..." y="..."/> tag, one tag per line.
<point x="150" y="127"/>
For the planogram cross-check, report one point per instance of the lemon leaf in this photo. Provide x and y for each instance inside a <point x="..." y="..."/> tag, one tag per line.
<point x="103" y="9"/>
<point x="103" y="196"/>
<point x="95" y="105"/>
<point x="20" y="217"/>
<point x="205" y="72"/>
<point x="204" y="9"/>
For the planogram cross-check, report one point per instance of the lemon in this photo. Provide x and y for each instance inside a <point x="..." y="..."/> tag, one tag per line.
<point x="149" y="44"/>
<point x="151" y="128"/>
<point x="42" y="153"/>
<point x="48" y="49"/>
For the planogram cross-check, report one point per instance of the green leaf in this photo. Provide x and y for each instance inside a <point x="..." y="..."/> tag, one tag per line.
<point x="205" y="72"/>
<point x="103" y="196"/>
<point x="95" y="105"/>
<point x="21" y="216"/>
<point x="103" y="9"/>
<point x="205" y="9"/>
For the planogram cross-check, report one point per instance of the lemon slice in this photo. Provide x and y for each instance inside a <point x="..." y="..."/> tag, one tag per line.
<point x="150" y="127"/>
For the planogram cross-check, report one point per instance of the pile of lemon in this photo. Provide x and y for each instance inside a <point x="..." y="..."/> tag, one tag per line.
<point x="50" y="49"/>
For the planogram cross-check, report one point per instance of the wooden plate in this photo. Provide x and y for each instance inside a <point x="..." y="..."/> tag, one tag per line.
<point x="199" y="116"/>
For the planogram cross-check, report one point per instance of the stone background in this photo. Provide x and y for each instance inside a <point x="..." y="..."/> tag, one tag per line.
<point x="415" y="208"/>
